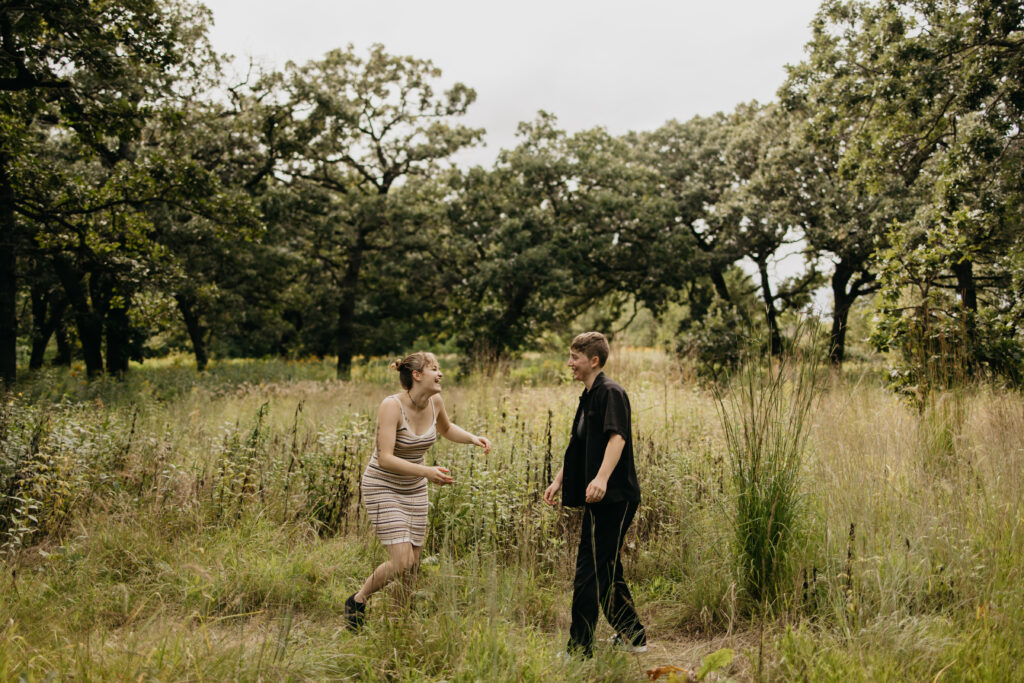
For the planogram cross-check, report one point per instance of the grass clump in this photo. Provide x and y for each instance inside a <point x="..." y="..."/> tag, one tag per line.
<point x="765" y="420"/>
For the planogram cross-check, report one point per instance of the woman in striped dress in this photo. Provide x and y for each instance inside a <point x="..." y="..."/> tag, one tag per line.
<point x="394" y="485"/>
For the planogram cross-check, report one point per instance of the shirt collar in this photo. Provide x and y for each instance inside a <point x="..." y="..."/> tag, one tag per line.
<point x="597" y="381"/>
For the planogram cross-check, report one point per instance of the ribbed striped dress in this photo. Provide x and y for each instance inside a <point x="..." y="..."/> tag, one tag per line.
<point x="395" y="503"/>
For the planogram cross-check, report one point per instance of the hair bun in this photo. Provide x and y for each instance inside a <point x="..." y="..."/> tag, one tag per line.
<point x="395" y="365"/>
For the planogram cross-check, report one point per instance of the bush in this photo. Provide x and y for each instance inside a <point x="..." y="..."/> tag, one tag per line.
<point x="50" y="460"/>
<point x="717" y="344"/>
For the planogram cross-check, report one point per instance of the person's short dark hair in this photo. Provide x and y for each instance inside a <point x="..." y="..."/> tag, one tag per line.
<point x="414" y="362"/>
<point x="592" y="344"/>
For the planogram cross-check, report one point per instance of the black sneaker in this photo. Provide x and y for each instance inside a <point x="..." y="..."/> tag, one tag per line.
<point x="638" y="644"/>
<point x="355" y="613"/>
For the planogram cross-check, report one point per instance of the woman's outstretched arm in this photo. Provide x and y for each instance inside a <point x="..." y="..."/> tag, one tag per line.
<point x="454" y="432"/>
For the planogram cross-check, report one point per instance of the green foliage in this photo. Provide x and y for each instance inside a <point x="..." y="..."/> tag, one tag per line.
<point x="718" y="344"/>
<point x="509" y="248"/>
<point x="560" y="223"/>
<point x="114" y="164"/>
<point x="305" y="212"/>
<point x="330" y="474"/>
<point x="941" y="116"/>
<point x="52" y="461"/>
<point x="940" y="341"/>
<point x="693" y="178"/>
<point x="360" y="126"/>
<point x="718" y="659"/>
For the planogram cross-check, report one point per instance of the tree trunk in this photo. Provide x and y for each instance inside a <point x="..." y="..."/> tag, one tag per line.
<point x="347" y="308"/>
<point x="90" y="334"/>
<point x="64" y="353"/>
<point x="718" y="280"/>
<point x="87" y="319"/>
<point x="717" y="274"/>
<point x="197" y="332"/>
<point x="966" y="287"/>
<point x="771" y="314"/>
<point x="8" y="280"/>
<point x="967" y="290"/>
<point x="843" y="301"/>
<point x="47" y="308"/>
<point x="119" y="340"/>
<point x="502" y="337"/>
<point x="40" y="335"/>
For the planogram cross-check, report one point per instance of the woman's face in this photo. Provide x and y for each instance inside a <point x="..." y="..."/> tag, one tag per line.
<point x="429" y="377"/>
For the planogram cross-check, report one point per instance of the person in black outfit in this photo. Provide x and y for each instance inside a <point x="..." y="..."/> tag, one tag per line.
<point x="598" y="473"/>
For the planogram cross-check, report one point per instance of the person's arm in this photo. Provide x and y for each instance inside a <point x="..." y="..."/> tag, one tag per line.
<point x="389" y="419"/>
<point x="551" y="491"/>
<point x="454" y="432"/>
<point x="612" y="452"/>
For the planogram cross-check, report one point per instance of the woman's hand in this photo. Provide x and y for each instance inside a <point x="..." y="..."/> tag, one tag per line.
<point x="483" y="443"/>
<point x="438" y="475"/>
<point x="552" y="491"/>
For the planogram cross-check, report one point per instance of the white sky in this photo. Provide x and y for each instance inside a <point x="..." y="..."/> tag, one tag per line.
<point x="624" y="66"/>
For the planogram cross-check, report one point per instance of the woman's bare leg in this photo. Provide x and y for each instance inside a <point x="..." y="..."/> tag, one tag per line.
<point x="407" y="581"/>
<point x="403" y="558"/>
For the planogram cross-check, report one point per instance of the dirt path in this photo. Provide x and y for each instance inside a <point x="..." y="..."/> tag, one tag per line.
<point x="688" y="653"/>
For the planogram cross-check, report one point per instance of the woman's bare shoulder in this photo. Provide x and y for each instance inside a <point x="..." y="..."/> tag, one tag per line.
<point x="390" y="407"/>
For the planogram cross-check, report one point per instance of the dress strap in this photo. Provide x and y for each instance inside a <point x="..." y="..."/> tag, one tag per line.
<point x="434" y="408"/>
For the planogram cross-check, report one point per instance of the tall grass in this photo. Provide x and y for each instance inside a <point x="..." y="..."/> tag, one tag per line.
<point x="212" y="530"/>
<point x="765" y="416"/>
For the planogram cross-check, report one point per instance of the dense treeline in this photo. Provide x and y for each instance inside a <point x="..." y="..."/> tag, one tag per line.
<point x="149" y="199"/>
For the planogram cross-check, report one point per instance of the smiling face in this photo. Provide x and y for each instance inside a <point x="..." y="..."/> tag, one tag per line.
<point x="582" y="368"/>
<point x="429" y="378"/>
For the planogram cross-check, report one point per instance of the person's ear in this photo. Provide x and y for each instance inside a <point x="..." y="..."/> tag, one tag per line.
<point x="595" y="362"/>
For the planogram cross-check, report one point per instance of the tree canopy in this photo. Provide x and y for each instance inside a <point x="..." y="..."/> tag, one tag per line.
<point x="151" y="201"/>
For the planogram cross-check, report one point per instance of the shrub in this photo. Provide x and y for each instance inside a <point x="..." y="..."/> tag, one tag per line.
<point x="50" y="460"/>
<point x="717" y="344"/>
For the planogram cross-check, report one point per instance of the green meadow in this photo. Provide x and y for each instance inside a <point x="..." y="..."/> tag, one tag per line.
<point x="175" y="526"/>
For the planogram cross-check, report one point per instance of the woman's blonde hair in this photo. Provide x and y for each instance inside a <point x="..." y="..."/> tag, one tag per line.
<point x="414" y="362"/>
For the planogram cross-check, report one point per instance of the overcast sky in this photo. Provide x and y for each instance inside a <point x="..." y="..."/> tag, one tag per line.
<point x="625" y="66"/>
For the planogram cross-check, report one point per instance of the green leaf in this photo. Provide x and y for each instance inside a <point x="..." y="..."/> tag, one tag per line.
<point x="715" y="661"/>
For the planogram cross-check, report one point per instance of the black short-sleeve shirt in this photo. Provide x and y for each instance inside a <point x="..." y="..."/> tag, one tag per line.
<point x="603" y="410"/>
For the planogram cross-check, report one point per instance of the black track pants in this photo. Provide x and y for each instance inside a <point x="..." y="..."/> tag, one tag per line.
<point x="599" y="581"/>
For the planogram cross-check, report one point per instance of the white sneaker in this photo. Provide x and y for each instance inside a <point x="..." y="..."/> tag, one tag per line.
<point x="618" y="641"/>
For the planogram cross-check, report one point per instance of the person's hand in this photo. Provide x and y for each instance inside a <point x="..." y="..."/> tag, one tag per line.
<point x="483" y="443"/>
<point x="551" y="491"/>
<point x="438" y="475"/>
<point x="596" y="490"/>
